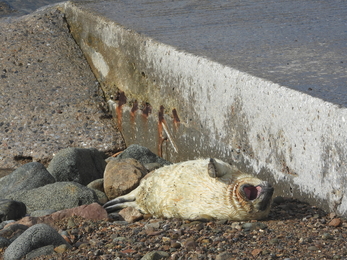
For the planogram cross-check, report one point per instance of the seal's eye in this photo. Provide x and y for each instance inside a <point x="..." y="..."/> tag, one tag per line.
<point x="251" y="191"/>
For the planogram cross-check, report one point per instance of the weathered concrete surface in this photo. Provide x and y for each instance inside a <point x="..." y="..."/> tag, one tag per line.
<point x="257" y="84"/>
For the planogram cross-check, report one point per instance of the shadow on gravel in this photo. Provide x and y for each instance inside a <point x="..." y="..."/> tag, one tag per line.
<point x="289" y="208"/>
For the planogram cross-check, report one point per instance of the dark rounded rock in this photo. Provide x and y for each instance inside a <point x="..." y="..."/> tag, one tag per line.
<point x="45" y="250"/>
<point x="29" y="176"/>
<point x="13" y="231"/>
<point x="11" y="209"/>
<point x="56" y="196"/>
<point x="37" y="236"/>
<point x="4" y="242"/>
<point x="78" y="165"/>
<point x="143" y="155"/>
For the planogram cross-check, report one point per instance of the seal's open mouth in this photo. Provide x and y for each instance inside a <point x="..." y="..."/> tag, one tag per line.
<point x="252" y="192"/>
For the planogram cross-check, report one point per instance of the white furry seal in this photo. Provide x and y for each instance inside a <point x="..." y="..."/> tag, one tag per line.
<point x="199" y="189"/>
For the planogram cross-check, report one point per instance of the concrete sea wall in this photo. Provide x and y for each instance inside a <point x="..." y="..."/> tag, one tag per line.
<point x="185" y="106"/>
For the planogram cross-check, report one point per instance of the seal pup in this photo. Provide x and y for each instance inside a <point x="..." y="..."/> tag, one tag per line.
<point x="199" y="189"/>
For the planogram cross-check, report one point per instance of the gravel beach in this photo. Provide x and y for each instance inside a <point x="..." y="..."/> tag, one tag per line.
<point x="294" y="230"/>
<point x="50" y="100"/>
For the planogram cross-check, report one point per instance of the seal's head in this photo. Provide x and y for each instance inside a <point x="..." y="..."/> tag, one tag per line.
<point x="251" y="196"/>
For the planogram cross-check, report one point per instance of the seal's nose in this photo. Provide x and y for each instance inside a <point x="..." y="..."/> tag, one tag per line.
<point x="265" y="196"/>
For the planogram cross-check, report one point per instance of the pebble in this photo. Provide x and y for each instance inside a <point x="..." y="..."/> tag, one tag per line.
<point x="256" y="252"/>
<point x="332" y="215"/>
<point x="175" y="244"/>
<point x="155" y="255"/>
<point x="166" y="239"/>
<point x="190" y="244"/>
<point x="312" y="248"/>
<point x="98" y="252"/>
<point x="130" y="214"/>
<point x="336" y="222"/>
<point x="61" y="249"/>
<point x="71" y="223"/>
<point x="254" y="225"/>
<point x="236" y="225"/>
<point x="119" y="239"/>
<point x="274" y="241"/>
<point x="327" y="236"/>
<point x="153" y="225"/>
<point x="224" y="256"/>
<point x="82" y="245"/>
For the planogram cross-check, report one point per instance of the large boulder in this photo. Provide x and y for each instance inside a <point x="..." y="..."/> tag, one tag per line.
<point x="143" y="155"/>
<point x="42" y="251"/>
<point x="92" y="211"/>
<point x="78" y="165"/>
<point x="29" y="176"/>
<point x="11" y="209"/>
<point x="56" y="196"/>
<point x="122" y="176"/>
<point x="37" y="236"/>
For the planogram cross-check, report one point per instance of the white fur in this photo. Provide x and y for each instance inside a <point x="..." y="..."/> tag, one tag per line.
<point x="186" y="190"/>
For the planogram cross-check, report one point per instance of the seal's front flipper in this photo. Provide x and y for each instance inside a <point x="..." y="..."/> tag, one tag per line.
<point x="120" y="203"/>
